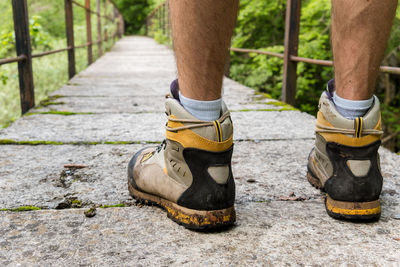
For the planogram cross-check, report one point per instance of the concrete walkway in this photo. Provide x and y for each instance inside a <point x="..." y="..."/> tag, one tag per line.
<point x="114" y="108"/>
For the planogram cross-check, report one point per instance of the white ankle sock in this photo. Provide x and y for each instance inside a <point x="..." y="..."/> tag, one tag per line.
<point x="352" y="109"/>
<point x="202" y="110"/>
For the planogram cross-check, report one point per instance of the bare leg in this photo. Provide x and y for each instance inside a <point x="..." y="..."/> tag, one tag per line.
<point x="202" y="32"/>
<point x="360" y="31"/>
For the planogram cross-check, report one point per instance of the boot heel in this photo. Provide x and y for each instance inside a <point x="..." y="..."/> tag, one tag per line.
<point x="353" y="210"/>
<point x="314" y="181"/>
<point x="188" y="218"/>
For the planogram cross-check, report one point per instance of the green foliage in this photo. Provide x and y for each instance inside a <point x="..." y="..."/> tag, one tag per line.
<point x="39" y="38"/>
<point x="261" y="26"/>
<point x="52" y="16"/>
<point x="161" y="37"/>
<point x="134" y="12"/>
<point x="7" y="43"/>
<point x="259" y="71"/>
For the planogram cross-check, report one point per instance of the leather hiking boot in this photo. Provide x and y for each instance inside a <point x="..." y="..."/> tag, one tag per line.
<point x="189" y="174"/>
<point x="345" y="161"/>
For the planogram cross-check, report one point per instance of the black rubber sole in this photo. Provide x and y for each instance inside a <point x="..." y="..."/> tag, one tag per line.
<point x="348" y="211"/>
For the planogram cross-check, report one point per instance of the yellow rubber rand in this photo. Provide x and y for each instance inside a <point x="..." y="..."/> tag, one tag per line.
<point x="367" y="208"/>
<point x="195" y="219"/>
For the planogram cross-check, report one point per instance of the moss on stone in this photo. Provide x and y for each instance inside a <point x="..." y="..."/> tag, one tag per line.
<point x="264" y="95"/>
<point x="90" y="212"/>
<point x="50" y="101"/>
<point x="33" y="143"/>
<point x="8" y="123"/>
<point x="62" y="113"/>
<point x="22" y="208"/>
<point x="41" y="142"/>
<point x="45" y="104"/>
<point x="76" y="201"/>
<point x="121" y="205"/>
<point x="281" y="104"/>
<point x="121" y="142"/>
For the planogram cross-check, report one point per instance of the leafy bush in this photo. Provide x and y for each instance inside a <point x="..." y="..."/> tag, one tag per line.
<point x="134" y="12"/>
<point x="40" y="39"/>
<point x="261" y="26"/>
<point x="7" y="43"/>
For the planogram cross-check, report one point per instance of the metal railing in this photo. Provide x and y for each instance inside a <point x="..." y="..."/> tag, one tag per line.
<point x="163" y="20"/>
<point x="290" y="56"/>
<point x="23" y="42"/>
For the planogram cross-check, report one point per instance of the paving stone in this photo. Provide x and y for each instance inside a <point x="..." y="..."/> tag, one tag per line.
<point x="263" y="171"/>
<point x="113" y="90"/>
<point x="139" y="103"/>
<point x="276" y="233"/>
<point x="103" y="104"/>
<point x="254" y="125"/>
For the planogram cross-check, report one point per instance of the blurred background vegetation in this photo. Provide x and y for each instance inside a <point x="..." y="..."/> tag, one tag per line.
<point x="47" y="30"/>
<point x="260" y="26"/>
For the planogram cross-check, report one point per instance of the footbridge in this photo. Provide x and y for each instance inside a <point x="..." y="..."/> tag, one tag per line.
<point x="70" y="154"/>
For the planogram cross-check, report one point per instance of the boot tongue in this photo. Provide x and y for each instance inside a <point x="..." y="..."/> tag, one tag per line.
<point x="175" y="89"/>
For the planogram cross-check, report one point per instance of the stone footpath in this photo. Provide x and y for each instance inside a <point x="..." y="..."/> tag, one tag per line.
<point x="114" y="108"/>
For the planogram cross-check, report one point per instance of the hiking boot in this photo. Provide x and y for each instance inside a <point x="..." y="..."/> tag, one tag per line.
<point x="345" y="161"/>
<point x="189" y="174"/>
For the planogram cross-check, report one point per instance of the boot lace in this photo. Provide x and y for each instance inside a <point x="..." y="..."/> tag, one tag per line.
<point x="194" y="123"/>
<point x="326" y="129"/>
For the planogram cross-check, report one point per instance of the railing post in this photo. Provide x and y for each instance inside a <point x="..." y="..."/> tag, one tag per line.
<point x="89" y="32"/>
<point x="114" y="17"/>
<point x="121" y="25"/>
<point x="159" y="18"/>
<point x="99" y="37"/>
<point x="163" y="18"/>
<point x="69" y="25"/>
<point x="23" y="47"/>
<point x="147" y="26"/>
<point x="227" y="71"/>
<point x="168" y="22"/>
<point x="292" y="26"/>
<point x="105" y="28"/>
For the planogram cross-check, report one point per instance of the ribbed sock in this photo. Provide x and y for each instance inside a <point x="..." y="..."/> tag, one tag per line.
<point x="352" y="109"/>
<point x="202" y="110"/>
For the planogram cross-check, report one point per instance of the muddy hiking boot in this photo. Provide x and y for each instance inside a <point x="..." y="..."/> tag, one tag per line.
<point x="189" y="174"/>
<point x="345" y="161"/>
